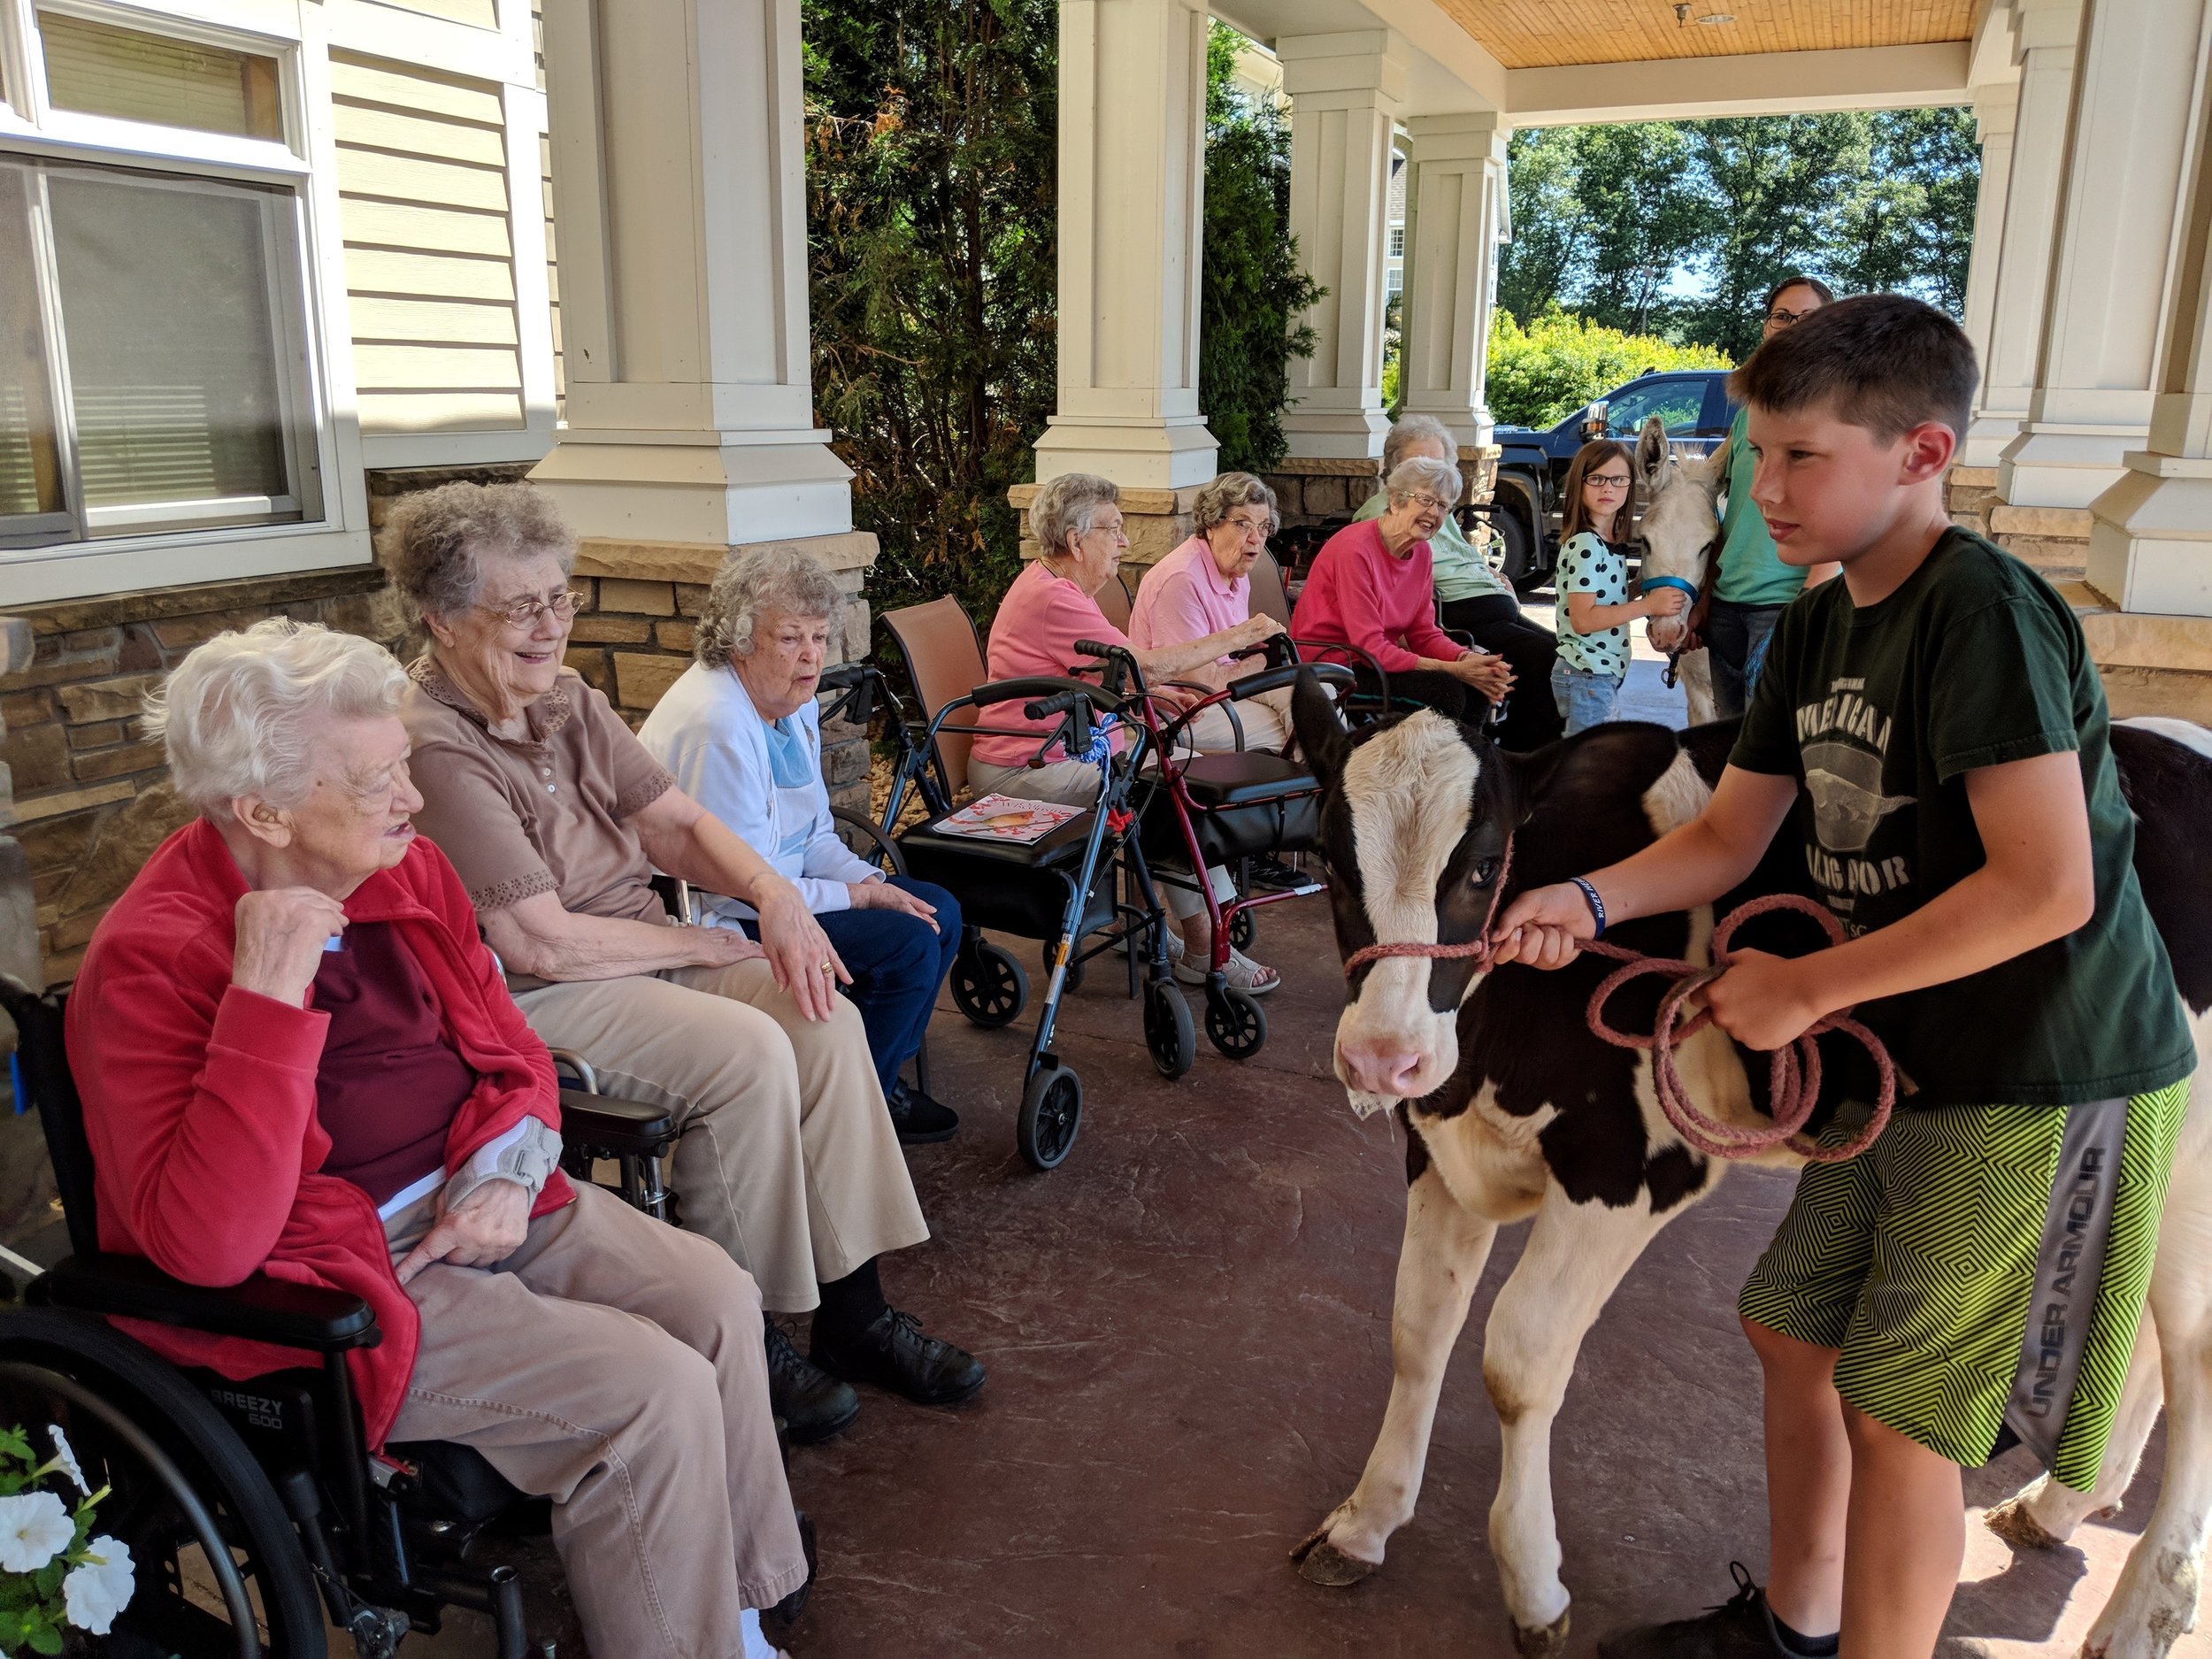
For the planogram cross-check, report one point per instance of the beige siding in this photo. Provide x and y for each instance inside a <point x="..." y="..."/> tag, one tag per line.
<point x="429" y="261"/>
<point x="552" y="259"/>
<point x="481" y="14"/>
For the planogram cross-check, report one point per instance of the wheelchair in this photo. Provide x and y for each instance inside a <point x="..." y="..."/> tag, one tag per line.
<point x="253" y="1510"/>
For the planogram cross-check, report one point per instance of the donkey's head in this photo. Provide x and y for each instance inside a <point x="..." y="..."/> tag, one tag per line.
<point x="1680" y="525"/>
<point x="1416" y="825"/>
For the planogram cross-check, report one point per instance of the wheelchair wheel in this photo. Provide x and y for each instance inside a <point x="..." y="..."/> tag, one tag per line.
<point x="1052" y="1111"/>
<point x="988" y="986"/>
<point x="1236" y="1024"/>
<point x="1244" y="927"/>
<point x="1167" y="1029"/>
<point x="219" y="1568"/>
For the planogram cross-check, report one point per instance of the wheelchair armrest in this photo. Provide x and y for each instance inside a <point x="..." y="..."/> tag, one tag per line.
<point x="259" y="1309"/>
<point x="615" y="1126"/>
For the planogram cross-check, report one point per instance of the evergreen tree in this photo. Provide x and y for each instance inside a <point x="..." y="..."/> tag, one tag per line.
<point x="932" y="212"/>
<point x="1252" y="289"/>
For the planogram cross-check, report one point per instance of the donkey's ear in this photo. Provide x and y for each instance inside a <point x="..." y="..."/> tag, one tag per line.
<point x="1322" y="739"/>
<point x="1651" y="448"/>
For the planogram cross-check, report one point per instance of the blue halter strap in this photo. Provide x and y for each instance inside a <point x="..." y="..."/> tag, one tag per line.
<point x="1689" y="587"/>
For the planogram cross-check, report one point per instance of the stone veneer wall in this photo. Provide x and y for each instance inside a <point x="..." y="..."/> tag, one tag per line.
<point x="92" y="796"/>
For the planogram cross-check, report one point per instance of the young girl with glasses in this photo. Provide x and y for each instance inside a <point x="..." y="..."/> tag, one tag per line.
<point x="1592" y="582"/>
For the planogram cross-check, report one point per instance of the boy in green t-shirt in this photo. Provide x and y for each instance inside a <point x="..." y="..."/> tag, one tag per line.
<point x="1934" y="722"/>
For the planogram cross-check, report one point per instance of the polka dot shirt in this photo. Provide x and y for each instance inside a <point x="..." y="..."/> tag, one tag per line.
<point x="1590" y="564"/>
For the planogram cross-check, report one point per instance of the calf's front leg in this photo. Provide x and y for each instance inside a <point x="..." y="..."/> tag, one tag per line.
<point x="1445" y="1248"/>
<point x="1576" y="1255"/>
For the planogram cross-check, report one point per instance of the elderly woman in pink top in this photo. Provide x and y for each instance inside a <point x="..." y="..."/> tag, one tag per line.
<point x="1077" y="521"/>
<point x="1370" y="587"/>
<point x="1204" y="587"/>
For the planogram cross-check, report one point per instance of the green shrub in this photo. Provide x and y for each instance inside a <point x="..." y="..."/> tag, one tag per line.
<point x="1541" y="374"/>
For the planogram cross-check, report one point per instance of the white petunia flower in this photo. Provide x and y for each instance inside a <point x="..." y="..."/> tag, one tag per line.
<point x="66" y="1458"/>
<point x="97" y="1590"/>
<point x="33" y="1526"/>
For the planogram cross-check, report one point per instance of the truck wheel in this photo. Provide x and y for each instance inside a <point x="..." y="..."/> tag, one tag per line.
<point x="1515" y="557"/>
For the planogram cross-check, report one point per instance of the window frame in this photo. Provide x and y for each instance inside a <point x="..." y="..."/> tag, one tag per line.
<point x="308" y="301"/>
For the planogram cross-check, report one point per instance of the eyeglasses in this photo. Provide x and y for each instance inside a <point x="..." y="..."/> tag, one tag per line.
<point x="1783" y="319"/>
<point x="523" y="613"/>
<point x="1422" y="498"/>
<point x="1610" y="481"/>
<point x="1253" y="527"/>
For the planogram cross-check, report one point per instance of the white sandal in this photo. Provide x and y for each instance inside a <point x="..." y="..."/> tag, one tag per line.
<point x="1243" y="975"/>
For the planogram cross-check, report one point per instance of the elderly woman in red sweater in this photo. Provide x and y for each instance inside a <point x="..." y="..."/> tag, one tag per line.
<point x="1370" y="587"/>
<point x="297" y="1057"/>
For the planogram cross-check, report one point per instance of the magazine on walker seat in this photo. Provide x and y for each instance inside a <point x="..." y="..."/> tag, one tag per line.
<point x="1006" y="818"/>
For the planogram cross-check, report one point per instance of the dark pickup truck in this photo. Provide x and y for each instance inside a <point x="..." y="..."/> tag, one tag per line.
<point x="1693" y="403"/>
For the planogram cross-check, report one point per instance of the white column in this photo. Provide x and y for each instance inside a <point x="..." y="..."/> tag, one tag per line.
<point x="1345" y="92"/>
<point x="1454" y="210"/>
<point x="2044" y="50"/>
<point x="1996" y="108"/>
<point x="1133" y="176"/>
<point x="2150" y="538"/>
<point x="2136" y="99"/>
<point x="680" y="188"/>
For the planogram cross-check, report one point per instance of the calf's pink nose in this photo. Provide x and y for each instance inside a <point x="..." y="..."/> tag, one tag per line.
<point x="1379" y="1068"/>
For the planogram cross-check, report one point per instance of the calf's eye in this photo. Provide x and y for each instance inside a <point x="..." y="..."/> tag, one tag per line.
<point x="1485" y="870"/>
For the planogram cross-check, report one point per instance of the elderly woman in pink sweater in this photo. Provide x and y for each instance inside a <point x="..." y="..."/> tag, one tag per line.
<point x="1204" y="587"/>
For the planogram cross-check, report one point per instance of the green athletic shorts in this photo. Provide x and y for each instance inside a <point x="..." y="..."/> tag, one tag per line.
<point x="1981" y="1266"/>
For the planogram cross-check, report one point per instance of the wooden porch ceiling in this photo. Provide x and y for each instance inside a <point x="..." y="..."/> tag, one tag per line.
<point x="1548" y="34"/>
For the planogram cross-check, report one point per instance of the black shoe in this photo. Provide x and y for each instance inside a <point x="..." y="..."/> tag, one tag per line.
<point x="812" y="1405"/>
<point x="785" y="1613"/>
<point x="1277" y="877"/>
<point x="892" y="1353"/>
<point x="1740" y="1628"/>
<point x="920" y="1120"/>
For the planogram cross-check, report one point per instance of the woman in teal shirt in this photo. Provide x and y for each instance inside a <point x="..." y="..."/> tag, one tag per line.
<point x="1754" y="583"/>
<point x="1475" y="600"/>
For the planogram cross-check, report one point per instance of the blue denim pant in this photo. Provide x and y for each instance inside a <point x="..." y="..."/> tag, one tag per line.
<point x="1735" y="636"/>
<point x="1584" y="699"/>
<point x="897" y="961"/>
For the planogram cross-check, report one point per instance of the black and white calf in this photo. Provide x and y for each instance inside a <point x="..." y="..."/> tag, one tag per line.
<point x="1515" y="1111"/>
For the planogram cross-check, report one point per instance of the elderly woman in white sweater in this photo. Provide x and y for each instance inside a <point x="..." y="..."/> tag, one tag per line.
<point x="741" y="733"/>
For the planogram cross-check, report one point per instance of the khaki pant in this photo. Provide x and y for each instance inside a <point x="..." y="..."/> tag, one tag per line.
<point x="614" y="1365"/>
<point x="1266" y="719"/>
<point x="788" y="1159"/>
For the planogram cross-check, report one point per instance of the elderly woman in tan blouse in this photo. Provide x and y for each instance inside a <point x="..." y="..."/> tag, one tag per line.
<point x="555" y="818"/>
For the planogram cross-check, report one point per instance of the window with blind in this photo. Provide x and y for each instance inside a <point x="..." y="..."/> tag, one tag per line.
<point x="151" y="372"/>
<point x="100" y="69"/>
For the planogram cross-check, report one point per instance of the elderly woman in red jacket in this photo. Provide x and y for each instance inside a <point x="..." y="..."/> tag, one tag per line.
<point x="297" y="1057"/>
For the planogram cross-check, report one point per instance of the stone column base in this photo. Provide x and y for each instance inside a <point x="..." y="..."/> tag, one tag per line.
<point x="2150" y="665"/>
<point x="634" y="636"/>
<point x="1967" y="492"/>
<point x="2053" y="539"/>
<point x="1157" y="522"/>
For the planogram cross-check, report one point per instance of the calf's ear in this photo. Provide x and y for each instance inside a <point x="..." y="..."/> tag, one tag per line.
<point x="1323" y="740"/>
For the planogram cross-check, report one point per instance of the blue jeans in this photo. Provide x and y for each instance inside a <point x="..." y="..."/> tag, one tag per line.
<point x="1736" y="639"/>
<point x="897" y="961"/>
<point x="1584" y="699"/>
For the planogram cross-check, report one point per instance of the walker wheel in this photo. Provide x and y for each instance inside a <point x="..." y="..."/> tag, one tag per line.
<point x="988" y="986"/>
<point x="1052" y="1111"/>
<point x="1236" y="1024"/>
<point x="1244" y="927"/>
<point x="1167" y="1029"/>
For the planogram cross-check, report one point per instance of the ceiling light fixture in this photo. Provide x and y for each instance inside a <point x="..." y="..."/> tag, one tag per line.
<point x="1717" y="18"/>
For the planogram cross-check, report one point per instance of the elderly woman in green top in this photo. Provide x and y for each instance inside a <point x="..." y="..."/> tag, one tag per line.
<point x="1473" y="599"/>
<point x="1753" y="584"/>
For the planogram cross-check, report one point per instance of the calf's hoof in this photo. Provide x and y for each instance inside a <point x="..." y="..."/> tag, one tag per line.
<point x="2011" y="1522"/>
<point x="1320" y="1562"/>
<point x="1547" y="1643"/>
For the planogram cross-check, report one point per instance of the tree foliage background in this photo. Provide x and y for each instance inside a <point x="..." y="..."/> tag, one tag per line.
<point x="1605" y="217"/>
<point x="1542" y="374"/>
<point x="932" y="193"/>
<point x="1252" y="289"/>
